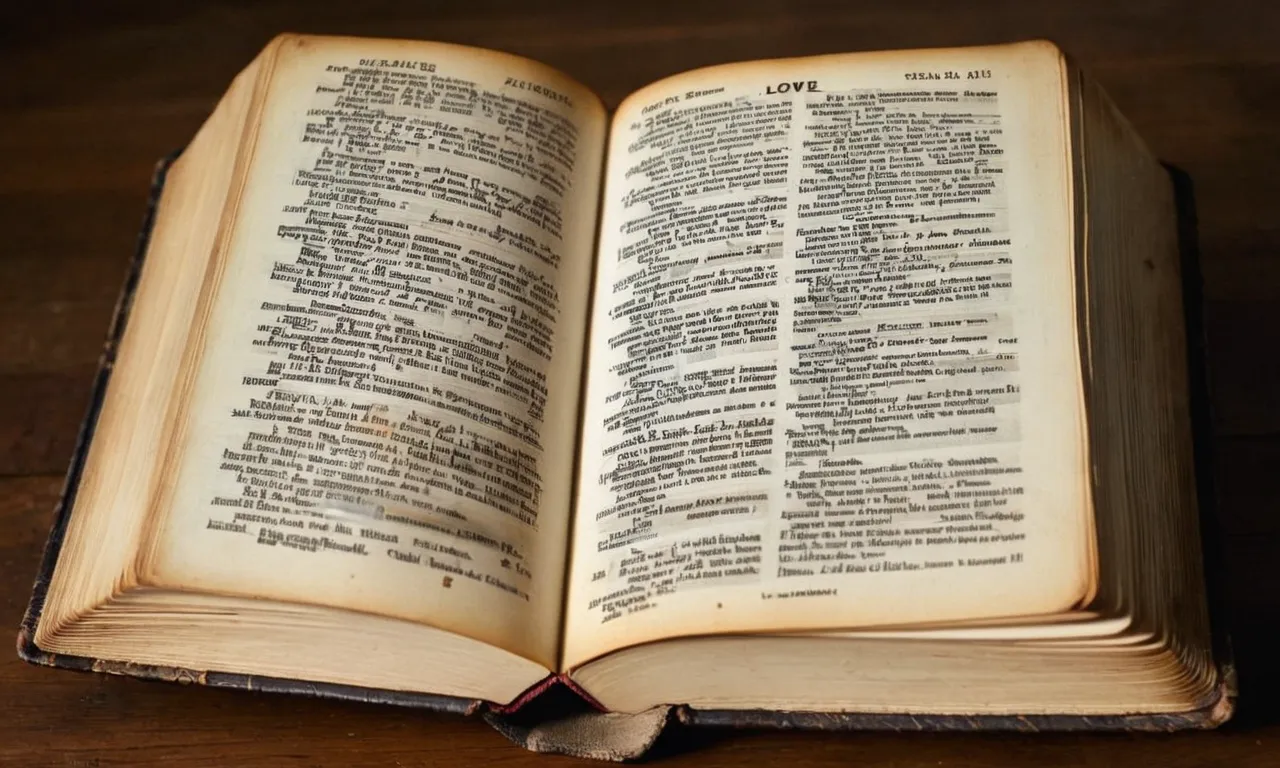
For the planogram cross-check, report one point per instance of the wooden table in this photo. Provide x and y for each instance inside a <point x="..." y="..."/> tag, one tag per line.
<point x="91" y="96"/>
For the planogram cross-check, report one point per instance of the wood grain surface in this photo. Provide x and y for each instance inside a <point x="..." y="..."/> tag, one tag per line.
<point x="92" y="94"/>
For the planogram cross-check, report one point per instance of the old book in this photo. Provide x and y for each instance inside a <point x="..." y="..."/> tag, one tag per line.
<point x="817" y="391"/>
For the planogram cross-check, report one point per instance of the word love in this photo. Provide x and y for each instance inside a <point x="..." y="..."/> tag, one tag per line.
<point x="795" y="86"/>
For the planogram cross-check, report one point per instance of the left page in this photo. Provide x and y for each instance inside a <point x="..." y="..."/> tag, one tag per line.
<point x="384" y="397"/>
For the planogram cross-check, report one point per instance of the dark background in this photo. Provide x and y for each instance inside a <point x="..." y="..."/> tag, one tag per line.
<point x="92" y="95"/>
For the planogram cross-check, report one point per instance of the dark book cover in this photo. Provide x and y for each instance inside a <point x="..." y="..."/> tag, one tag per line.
<point x="556" y="716"/>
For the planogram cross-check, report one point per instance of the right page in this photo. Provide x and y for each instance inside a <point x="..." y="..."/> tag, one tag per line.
<point x="834" y="378"/>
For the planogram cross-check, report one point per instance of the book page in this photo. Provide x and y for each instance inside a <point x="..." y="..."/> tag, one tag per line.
<point x="834" y="378"/>
<point x="385" y="409"/>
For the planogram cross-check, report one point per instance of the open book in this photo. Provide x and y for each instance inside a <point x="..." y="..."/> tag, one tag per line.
<point x="853" y="383"/>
